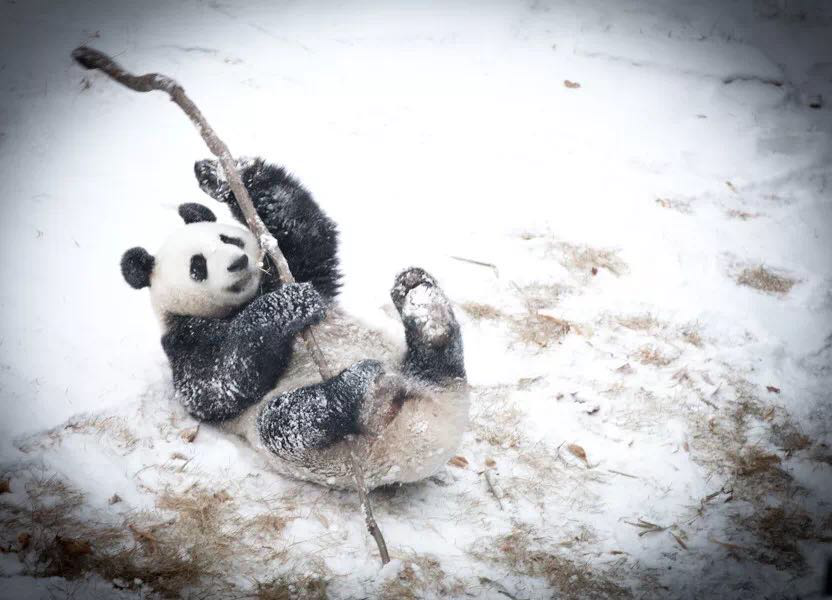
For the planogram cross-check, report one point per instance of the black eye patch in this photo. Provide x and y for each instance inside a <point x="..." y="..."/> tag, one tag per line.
<point x="199" y="268"/>
<point x="232" y="240"/>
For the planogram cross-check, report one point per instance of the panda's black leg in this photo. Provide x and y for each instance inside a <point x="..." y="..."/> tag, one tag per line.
<point x="434" y="340"/>
<point x="317" y="416"/>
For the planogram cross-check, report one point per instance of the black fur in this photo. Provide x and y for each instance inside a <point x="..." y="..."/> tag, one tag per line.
<point x="191" y="212"/>
<point x="318" y="415"/>
<point x="136" y="267"/>
<point x="306" y="236"/>
<point x="434" y="361"/>
<point x="223" y="366"/>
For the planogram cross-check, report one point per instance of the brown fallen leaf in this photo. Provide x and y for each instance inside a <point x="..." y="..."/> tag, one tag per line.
<point x="490" y="463"/>
<point x="773" y="389"/>
<point x="73" y="547"/>
<point x="769" y="414"/>
<point x="594" y="270"/>
<point x="572" y="85"/>
<point x="23" y="539"/>
<point x="189" y="435"/>
<point x="579" y="452"/>
<point x="5" y="486"/>
<point x="459" y="461"/>
<point x="114" y="499"/>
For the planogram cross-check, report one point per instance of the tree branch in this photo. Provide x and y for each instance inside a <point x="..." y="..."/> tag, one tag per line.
<point x="92" y="59"/>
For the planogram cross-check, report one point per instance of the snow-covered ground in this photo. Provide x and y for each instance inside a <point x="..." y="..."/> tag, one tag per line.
<point x="629" y="202"/>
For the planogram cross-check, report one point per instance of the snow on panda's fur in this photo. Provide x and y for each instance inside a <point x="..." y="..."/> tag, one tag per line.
<point x="229" y="328"/>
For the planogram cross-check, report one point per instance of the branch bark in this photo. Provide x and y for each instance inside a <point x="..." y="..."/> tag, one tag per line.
<point x="93" y="59"/>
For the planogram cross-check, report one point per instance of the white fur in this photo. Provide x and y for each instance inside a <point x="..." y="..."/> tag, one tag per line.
<point x="173" y="291"/>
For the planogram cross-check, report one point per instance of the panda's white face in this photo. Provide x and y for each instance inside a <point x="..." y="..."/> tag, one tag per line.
<point x="205" y="269"/>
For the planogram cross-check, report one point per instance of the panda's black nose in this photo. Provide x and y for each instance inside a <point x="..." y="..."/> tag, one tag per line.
<point x="239" y="264"/>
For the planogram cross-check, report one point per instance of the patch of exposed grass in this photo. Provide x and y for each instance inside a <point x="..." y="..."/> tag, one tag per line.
<point x="539" y="330"/>
<point x="567" y="578"/>
<point x="584" y="259"/>
<point x="195" y="549"/>
<point x="495" y="420"/>
<point x="579" y="259"/>
<point x="531" y="328"/>
<point x="682" y="206"/>
<point x="741" y="214"/>
<point x="780" y="528"/>
<point x="649" y="355"/>
<point x="644" y="322"/>
<point x="482" y="312"/>
<point x="421" y="575"/>
<point x="765" y="280"/>
<point x="307" y="587"/>
<point x="692" y="336"/>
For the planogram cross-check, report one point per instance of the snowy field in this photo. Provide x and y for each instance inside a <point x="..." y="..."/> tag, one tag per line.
<point x="629" y="202"/>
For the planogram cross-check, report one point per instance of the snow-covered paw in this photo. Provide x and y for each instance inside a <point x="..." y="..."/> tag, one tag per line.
<point x="424" y="309"/>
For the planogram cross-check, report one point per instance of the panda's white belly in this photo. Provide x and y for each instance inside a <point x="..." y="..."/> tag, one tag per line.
<point x="416" y="444"/>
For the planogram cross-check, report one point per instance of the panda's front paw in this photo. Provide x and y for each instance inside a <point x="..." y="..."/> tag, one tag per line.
<point x="298" y="305"/>
<point x="211" y="180"/>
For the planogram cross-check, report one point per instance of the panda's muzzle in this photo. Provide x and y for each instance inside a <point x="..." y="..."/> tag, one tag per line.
<point x="241" y="283"/>
<point x="239" y="264"/>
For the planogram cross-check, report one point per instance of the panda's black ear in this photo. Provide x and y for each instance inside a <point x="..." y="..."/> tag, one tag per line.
<point x="136" y="266"/>
<point x="195" y="213"/>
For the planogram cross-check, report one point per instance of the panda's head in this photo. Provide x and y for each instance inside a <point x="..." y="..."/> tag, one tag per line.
<point x="204" y="269"/>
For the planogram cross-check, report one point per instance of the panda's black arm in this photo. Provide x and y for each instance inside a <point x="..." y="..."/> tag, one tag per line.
<point x="284" y="312"/>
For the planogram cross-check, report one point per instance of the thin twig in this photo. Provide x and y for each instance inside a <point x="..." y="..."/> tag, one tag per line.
<point x="480" y="263"/>
<point x="364" y="498"/>
<point x="491" y="488"/>
<point x="89" y="58"/>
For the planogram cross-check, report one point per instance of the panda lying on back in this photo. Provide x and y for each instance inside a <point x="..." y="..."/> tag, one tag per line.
<point x="229" y="328"/>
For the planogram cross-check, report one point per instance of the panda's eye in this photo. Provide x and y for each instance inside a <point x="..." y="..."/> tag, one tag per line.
<point x="199" y="268"/>
<point x="232" y="240"/>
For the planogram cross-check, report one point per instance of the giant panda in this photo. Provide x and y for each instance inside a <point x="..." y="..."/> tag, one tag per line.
<point x="228" y="329"/>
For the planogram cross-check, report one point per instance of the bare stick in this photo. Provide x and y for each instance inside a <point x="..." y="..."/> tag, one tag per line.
<point x="89" y="58"/>
<point x="366" y="507"/>
<point x="491" y="488"/>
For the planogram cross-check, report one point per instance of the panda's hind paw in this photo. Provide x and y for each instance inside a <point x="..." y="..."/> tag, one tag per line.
<point x="406" y="281"/>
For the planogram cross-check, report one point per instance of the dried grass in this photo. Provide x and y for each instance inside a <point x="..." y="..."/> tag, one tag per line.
<point x="421" y="576"/>
<point x="779" y="529"/>
<point x="765" y="280"/>
<point x="741" y="214"/>
<point x="193" y="550"/>
<point x="649" y="355"/>
<point x="482" y="312"/>
<point x="584" y="259"/>
<point x="692" y="337"/>
<point x="539" y="330"/>
<point x="682" y="206"/>
<point x="645" y="322"/>
<point x="532" y="328"/>
<point x="495" y="420"/>
<point x="306" y="587"/>
<point x="567" y="578"/>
